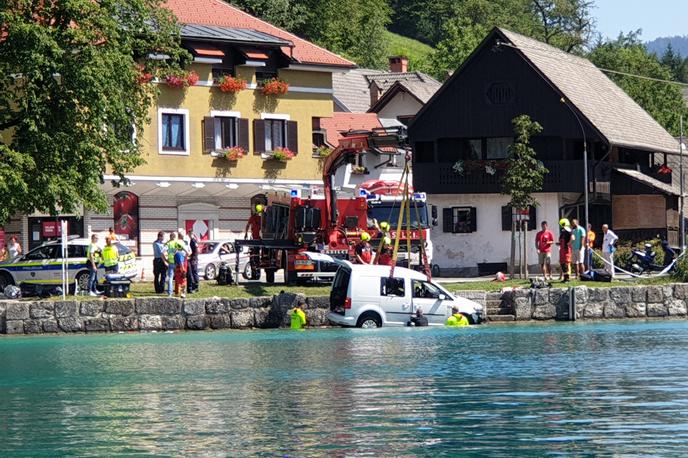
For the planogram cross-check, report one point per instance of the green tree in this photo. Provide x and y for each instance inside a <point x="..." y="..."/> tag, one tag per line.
<point x="566" y="24"/>
<point x="663" y="101"/>
<point x="287" y="14"/>
<point x="525" y="175"/>
<point x="69" y="97"/>
<point x="676" y="65"/>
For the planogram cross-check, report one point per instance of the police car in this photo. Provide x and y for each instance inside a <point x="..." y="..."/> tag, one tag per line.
<point x="43" y="265"/>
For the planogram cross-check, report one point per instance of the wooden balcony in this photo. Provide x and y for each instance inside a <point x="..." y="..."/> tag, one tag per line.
<point x="433" y="178"/>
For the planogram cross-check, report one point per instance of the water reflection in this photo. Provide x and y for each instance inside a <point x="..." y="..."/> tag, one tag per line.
<point x="611" y="388"/>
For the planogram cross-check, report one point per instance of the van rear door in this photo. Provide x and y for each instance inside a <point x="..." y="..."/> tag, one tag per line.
<point x="339" y="291"/>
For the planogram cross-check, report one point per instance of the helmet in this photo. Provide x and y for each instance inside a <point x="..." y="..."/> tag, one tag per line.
<point x="259" y="208"/>
<point x="365" y="236"/>
<point x="564" y="222"/>
<point x="387" y="241"/>
<point x="384" y="226"/>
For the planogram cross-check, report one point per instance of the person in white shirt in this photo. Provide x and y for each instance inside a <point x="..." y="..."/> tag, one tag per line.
<point x="608" y="248"/>
<point x="14" y="248"/>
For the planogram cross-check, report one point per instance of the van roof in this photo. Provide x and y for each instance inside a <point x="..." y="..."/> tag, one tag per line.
<point x="383" y="271"/>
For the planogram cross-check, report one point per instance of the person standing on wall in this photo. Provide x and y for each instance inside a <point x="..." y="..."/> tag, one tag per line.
<point x="93" y="253"/>
<point x="192" y="272"/>
<point x="159" y="263"/>
<point x="543" y="244"/>
<point x="578" y="248"/>
<point x="608" y="248"/>
<point x="589" y="243"/>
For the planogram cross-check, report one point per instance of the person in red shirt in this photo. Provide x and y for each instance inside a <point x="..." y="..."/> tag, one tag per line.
<point x="385" y="258"/>
<point x="254" y="223"/>
<point x="364" y="252"/>
<point x="543" y="244"/>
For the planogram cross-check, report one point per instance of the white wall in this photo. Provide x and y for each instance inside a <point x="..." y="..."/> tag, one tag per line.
<point x="489" y="243"/>
<point x="402" y="104"/>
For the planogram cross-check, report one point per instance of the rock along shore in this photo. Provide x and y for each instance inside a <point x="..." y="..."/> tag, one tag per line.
<point x="163" y="314"/>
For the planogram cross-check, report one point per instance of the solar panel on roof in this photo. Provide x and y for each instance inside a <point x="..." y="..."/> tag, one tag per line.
<point x="231" y="34"/>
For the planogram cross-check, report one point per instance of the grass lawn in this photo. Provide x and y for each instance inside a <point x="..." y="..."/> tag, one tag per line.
<point x="211" y="289"/>
<point x="496" y="286"/>
<point x="418" y="53"/>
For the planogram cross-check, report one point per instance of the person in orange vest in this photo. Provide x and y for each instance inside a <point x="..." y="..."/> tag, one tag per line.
<point x="364" y="252"/>
<point x="385" y="258"/>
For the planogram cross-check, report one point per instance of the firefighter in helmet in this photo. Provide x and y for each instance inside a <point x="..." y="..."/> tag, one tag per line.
<point x="254" y="223"/>
<point x="385" y="258"/>
<point x="364" y="251"/>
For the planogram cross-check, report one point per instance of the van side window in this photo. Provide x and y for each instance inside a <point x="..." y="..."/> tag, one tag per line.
<point x="392" y="287"/>
<point x="424" y="289"/>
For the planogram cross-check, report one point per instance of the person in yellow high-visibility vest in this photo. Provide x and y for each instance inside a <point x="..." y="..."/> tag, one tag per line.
<point x="110" y="257"/>
<point x="298" y="316"/>
<point x="457" y="319"/>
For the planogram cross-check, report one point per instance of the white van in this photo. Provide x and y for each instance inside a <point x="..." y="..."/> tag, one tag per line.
<point x="367" y="297"/>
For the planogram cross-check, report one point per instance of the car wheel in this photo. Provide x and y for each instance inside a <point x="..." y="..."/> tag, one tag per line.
<point x="210" y="272"/>
<point x="5" y="281"/>
<point x="250" y="274"/>
<point x="369" y="320"/>
<point x="82" y="280"/>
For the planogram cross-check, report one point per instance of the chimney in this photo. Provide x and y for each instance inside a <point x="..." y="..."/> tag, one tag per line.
<point x="398" y="64"/>
<point x="375" y="94"/>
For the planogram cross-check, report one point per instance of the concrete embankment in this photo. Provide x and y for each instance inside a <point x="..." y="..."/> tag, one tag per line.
<point x="162" y="313"/>
<point x="155" y="314"/>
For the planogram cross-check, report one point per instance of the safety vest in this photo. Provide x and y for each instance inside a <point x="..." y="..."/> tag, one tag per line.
<point x="93" y="248"/>
<point x="457" y="320"/>
<point x="298" y="319"/>
<point x="110" y="256"/>
<point x="172" y="247"/>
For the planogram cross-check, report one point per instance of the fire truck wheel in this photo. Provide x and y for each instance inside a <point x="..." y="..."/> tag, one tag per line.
<point x="250" y="274"/>
<point x="270" y="276"/>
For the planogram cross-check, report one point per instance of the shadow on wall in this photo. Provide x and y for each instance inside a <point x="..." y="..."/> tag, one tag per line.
<point x="221" y="100"/>
<point x="172" y="98"/>
<point x="264" y="104"/>
<point x="272" y="168"/>
<point x="223" y="167"/>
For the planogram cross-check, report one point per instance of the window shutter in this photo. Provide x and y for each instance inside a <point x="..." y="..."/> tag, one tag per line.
<point x="447" y="220"/>
<point x="506" y="218"/>
<point x="532" y="222"/>
<point x="208" y="134"/>
<point x="258" y="136"/>
<point x="474" y="219"/>
<point x="242" y="133"/>
<point x="293" y="136"/>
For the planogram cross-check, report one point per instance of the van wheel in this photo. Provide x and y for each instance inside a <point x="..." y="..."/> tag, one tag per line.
<point x="369" y="320"/>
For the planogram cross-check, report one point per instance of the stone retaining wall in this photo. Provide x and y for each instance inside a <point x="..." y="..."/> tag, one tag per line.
<point x="589" y="303"/>
<point x="155" y="314"/>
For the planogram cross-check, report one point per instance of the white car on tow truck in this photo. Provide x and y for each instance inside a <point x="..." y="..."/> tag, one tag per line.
<point x="366" y="296"/>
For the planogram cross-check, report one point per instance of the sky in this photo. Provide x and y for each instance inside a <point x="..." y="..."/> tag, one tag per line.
<point x="657" y="18"/>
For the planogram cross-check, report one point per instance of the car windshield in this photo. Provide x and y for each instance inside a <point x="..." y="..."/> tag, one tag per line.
<point x="206" y="247"/>
<point x="389" y="212"/>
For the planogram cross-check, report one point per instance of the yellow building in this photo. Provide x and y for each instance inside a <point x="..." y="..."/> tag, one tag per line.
<point x="188" y="180"/>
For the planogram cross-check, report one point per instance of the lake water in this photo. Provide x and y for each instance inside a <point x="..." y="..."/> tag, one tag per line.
<point x="525" y="390"/>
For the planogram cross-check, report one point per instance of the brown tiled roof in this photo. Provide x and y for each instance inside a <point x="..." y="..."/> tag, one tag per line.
<point x="219" y="13"/>
<point x="343" y="122"/>
<point x="649" y="181"/>
<point x="613" y="112"/>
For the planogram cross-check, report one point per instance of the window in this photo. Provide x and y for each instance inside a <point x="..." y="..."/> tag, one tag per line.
<point x="497" y="148"/>
<point x="424" y="289"/>
<point x="450" y="150"/>
<point x="507" y="218"/>
<point x="392" y="287"/>
<point x="459" y="220"/>
<point x="275" y="134"/>
<point x="500" y="93"/>
<point x="319" y="134"/>
<point x="225" y="132"/>
<point x="76" y="251"/>
<point x="219" y="72"/>
<point x="42" y="253"/>
<point x="173" y="132"/>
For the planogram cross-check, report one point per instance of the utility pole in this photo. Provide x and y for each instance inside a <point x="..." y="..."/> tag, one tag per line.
<point x="682" y="224"/>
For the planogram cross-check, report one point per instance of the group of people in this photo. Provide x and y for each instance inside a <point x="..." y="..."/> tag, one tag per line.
<point x="575" y="249"/>
<point x="365" y="253"/>
<point x="175" y="263"/>
<point x="11" y="250"/>
<point x="108" y="256"/>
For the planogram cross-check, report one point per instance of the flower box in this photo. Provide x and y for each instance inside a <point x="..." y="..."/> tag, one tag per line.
<point x="275" y="86"/>
<point x="231" y="85"/>
<point x="183" y="79"/>
<point x="231" y="154"/>
<point x="280" y="154"/>
<point x="322" y="151"/>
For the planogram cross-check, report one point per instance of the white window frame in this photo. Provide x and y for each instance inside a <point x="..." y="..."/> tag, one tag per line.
<point x="275" y="117"/>
<point x="225" y="114"/>
<point x="187" y="140"/>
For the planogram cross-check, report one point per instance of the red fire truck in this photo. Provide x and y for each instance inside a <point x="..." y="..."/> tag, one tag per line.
<point x="305" y="235"/>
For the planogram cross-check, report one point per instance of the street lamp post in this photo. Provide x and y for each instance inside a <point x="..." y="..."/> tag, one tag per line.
<point x="585" y="162"/>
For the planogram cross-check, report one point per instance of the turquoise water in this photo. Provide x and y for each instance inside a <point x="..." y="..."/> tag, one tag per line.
<point x="530" y="390"/>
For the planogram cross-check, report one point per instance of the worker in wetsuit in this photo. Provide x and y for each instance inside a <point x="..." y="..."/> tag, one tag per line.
<point x="298" y="316"/>
<point x="364" y="251"/>
<point x="254" y="223"/>
<point x="457" y="319"/>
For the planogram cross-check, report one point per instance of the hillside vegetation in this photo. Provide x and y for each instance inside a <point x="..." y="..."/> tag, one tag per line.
<point x="419" y="54"/>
